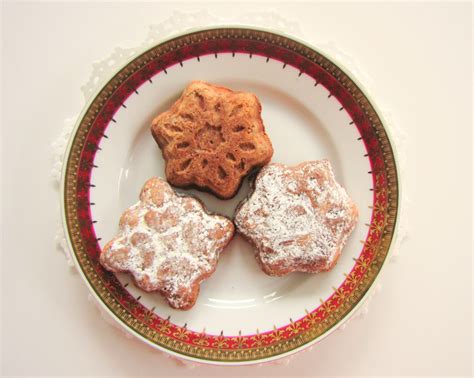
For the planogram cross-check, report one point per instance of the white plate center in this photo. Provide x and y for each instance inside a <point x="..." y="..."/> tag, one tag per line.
<point x="303" y="124"/>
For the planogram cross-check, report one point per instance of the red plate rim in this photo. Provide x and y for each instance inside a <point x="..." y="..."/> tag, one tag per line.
<point x="162" y="332"/>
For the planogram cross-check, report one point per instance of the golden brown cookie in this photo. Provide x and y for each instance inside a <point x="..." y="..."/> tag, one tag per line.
<point x="169" y="244"/>
<point x="298" y="218"/>
<point x="211" y="138"/>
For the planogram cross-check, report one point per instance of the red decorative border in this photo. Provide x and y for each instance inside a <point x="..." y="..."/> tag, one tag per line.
<point x="322" y="77"/>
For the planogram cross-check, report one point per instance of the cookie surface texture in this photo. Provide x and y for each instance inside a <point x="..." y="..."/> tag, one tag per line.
<point x="169" y="243"/>
<point x="211" y="138"/>
<point x="298" y="218"/>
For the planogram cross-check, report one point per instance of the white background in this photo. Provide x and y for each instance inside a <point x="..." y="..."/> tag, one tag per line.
<point x="419" y="58"/>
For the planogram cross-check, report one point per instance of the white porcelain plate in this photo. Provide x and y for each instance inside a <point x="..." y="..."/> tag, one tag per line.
<point x="311" y="110"/>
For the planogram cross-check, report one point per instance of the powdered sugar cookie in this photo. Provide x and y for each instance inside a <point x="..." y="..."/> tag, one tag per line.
<point x="169" y="243"/>
<point x="298" y="218"/>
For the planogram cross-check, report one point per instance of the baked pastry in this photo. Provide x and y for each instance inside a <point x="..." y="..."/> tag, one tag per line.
<point x="168" y="243"/>
<point x="211" y="138"/>
<point x="298" y="218"/>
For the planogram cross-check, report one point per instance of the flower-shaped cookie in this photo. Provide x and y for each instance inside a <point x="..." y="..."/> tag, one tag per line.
<point x="168" y="243"/>
<point x="211" y="138"/>
<point x="298" y="218"/>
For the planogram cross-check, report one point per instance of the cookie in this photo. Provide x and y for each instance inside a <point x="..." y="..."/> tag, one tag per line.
<point x="169" y="244"/>
<point x="298" y="218"/>
<point x="211" y="138"/>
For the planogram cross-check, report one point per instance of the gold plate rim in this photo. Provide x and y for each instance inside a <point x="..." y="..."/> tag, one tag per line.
<point x="216" y="358"/>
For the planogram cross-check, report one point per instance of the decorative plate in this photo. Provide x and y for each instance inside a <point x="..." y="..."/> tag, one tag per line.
<point x="312" y="109"/>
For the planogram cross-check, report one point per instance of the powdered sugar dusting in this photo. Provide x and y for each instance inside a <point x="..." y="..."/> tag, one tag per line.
<point x="298" y="218"/>
<point x="168" y="242"/>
